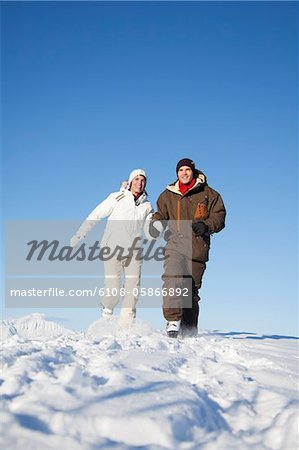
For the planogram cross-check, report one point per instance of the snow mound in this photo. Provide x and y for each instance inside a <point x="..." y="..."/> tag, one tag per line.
<point x="7" y="329"/>
<point x="111" y="326"/>
<point x="32" y="326"/>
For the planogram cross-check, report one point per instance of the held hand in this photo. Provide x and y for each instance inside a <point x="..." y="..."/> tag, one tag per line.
<point x="167" y="235"/>
<point x="74" y="241"/>
<point x="199" y="228"/>
<point x="155" y="229"/>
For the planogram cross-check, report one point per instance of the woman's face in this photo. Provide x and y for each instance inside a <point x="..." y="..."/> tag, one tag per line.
<point x="138" y="184"/>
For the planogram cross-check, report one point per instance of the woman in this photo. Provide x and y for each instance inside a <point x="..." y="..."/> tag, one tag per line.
<point x="130" y="206"/>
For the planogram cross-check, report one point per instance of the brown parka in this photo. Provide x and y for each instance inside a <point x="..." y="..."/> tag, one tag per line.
<point x="200" y="203"/>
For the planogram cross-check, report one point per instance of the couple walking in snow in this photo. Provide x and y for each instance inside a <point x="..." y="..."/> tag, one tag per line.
<point x="188" y="213"/>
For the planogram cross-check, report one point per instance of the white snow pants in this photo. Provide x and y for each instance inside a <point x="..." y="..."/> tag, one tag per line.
<point x="128" y="288"/>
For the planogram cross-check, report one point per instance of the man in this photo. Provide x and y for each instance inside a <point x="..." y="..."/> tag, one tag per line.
<point x="131" y="207"/>
<point x="193" y="212"/>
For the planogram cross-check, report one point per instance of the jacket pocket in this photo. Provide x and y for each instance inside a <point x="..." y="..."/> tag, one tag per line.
<point x="201" y="211"/>
<point x="200" y="249"/>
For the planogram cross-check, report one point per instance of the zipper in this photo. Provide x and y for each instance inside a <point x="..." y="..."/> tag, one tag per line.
<point x="179" y="215"/>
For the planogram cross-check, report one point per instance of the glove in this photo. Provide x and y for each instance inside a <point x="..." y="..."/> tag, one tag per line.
<point x="75" y="240"/>
<point x="199" y="228"/>
<point x="155" y="229"/>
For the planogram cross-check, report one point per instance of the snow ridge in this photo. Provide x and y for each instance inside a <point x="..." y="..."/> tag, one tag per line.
<point x="31" y="327"/>
<point x="130" y="388"/>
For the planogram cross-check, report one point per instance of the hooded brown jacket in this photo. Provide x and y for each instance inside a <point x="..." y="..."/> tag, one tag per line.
<point x="200" y="203"/>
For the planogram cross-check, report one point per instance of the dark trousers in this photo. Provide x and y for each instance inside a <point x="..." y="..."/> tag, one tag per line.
<point x="182" y="280"/>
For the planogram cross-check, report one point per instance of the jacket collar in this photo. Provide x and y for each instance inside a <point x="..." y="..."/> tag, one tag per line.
<point x="174" y="187"/>
<point x="141" y="199"/>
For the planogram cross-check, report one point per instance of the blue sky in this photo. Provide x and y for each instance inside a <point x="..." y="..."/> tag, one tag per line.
<point x="92" y="90"/>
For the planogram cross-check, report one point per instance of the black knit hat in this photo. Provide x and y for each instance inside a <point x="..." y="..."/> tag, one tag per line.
<point x="186" y="162"/>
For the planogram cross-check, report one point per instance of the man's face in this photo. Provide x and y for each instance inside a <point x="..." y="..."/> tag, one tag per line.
<point x="185" y="174"/>
<point x="138" y="184"/>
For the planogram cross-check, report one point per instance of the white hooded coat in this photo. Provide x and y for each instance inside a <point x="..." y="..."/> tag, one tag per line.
<point x="119" y="206"/>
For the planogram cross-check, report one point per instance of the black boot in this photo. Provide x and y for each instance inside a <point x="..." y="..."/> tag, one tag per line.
<point x="188" y="330"/>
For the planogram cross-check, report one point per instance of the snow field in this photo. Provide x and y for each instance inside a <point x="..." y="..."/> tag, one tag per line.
<point x="135" y="388"/>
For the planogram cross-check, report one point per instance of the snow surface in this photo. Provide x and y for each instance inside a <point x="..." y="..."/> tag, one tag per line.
<point x="112" y="388"/>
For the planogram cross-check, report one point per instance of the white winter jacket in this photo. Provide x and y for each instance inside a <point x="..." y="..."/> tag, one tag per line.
<point x="119" y="206"/>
